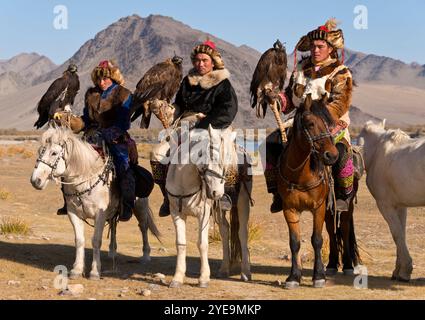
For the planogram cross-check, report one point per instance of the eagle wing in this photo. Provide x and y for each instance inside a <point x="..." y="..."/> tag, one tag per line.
<point x="50" y="101"/>
<point x="160" y="82"/>
<point x="269" y="76"/>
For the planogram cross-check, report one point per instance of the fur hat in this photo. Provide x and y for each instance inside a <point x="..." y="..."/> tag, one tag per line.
<point x="209" y="48"/>
<point x="107" y="69"/>
<point x="326" y="32"/>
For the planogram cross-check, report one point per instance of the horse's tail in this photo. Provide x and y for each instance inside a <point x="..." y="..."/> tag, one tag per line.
<point x="151" y="224"/>
<point x="235" y="243"/>
<point x="145" y="217"/>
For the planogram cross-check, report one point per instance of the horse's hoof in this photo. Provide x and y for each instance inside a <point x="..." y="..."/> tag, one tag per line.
<point x="331" y="271"/>
<point x="348" y="272"/>
<point x="400" y="279"/>
<point x="203" y="284"/>
<point x="292" y="285"/>
<point x="246" y="277"/>
<point x="319" y="283"/>
<point x="145" y="259"/>
<point x="175" y="284"/>
<point x="223" y="274"/>
<point x="94" y="277"/>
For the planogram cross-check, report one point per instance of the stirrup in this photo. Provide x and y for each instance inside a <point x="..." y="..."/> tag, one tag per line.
<point x="164" y="211"/>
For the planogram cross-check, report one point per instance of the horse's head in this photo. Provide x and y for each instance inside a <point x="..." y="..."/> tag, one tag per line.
<point x="312" y="123"/>
<point x="50" y="163"/>
<point x="217" y="157"/>
<point x="369" y="140"/>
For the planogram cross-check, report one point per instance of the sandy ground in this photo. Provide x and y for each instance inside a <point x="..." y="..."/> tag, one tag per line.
<point x="27" y="262"/>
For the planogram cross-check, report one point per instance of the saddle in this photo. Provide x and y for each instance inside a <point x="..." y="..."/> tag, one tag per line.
<point x="143" y="178"/>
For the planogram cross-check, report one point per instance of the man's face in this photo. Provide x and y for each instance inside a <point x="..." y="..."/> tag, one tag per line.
<point x="203" y="63"/>
<point x="320" y="50"/>
<point x="104" y="83"/>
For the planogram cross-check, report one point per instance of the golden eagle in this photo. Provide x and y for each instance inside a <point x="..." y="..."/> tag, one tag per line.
<point x="157" y="87"/>
<point x="59" y="97"/>
<point x="268" y="78"/>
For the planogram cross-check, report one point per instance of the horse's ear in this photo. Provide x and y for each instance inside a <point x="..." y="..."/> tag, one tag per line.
<point x="384" y="122"/>
<point x="308" y="102"/>
<point x="233" y="136"/>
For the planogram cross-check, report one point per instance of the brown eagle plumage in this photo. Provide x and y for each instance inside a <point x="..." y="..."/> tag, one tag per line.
<point x="60" y="96"/>
<point x="268" y="78"/>
<point x="161" y="82"/>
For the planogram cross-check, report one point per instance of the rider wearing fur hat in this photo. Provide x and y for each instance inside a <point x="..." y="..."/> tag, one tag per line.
<point x="107" y="109"/>
<point x="323" y="72"/>
<point x="206" y="91"/>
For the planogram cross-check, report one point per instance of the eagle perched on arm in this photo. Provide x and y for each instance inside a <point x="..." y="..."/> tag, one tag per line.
<point x="156" y="89"/>
<point x="59" y="97"/>
<point x="269" y="78"/>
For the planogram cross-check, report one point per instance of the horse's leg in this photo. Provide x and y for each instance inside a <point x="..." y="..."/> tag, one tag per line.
<point x="348" y="253"/>
<point x="78" y="225"/>
<point x="204" y="223"/>
<point x="141" y="213"/>
<point x="224" y="228"/>
<point x="243" y="213"/>
<point x="332" y="267"/>
<point x="396" y="219"/>
<point x="99" y="224"/>
<point x="292" y="218"/>
<point x="319" y="278"/>
<point x="180" y="226"/>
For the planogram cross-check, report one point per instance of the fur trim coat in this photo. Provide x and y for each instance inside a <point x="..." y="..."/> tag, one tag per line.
<point x="337" y="82"/>
<point x="212" y="95"/>
<point x="105" y="109"/>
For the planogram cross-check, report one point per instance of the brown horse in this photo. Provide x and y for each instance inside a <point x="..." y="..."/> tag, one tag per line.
<point x="303" y="181"/>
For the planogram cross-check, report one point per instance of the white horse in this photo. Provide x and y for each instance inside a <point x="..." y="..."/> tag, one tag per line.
<point x="395" y="166"/>
<point x="90" y="193"/>
<point x="193" y="190"/>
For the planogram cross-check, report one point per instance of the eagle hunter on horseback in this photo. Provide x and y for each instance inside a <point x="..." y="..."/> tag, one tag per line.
<point x="107" y="111"/>
<point x="205" y="93"/>
<point x="319" y="91"/>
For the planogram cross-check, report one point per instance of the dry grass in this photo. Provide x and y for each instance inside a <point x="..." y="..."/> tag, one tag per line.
<point x="14" y="226"/>
<point x="144" y="150"/>
<point x="2" y="152"/>
<point x="27" y="154"/>
<point x="15" y="150"/>
<point x="5" y="194"/>
<point x="255" y="232"/>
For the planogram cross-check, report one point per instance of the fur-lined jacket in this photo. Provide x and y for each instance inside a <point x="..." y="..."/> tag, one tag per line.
<point x="106" y="109"/>
<point x="330" y="77"/>
<point x="212" y="95"/>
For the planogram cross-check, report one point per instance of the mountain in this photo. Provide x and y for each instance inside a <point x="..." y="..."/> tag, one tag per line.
<point x="19" y="72"/>
<point x="387" y="88"/>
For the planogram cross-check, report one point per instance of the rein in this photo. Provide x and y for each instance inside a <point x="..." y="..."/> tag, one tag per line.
<point x="311" y="140"/>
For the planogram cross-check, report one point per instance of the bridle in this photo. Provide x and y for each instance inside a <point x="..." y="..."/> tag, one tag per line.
<point x="52" y="165"/>
<point x="311" y="140"/>
<point x="203" y="171"/>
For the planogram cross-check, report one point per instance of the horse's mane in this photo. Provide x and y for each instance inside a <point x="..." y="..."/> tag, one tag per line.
<point x="397" y="136"/>
<point x="81" y="155"/>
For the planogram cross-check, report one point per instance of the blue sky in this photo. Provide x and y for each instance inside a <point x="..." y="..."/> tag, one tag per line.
<point x="395" y="28"/>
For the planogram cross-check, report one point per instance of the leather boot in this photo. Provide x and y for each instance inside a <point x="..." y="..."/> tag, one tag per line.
<point x="164" y="211"/>
<point x="277" y="203"/>
<point x="63" y="211"/>
<point x="128" y="196"/>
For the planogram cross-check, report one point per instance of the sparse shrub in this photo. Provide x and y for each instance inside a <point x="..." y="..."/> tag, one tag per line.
<point x="14" y="226"/>
<point x="5" y="194"/>
<point x="27" y="154"/>
<point x="255" y="231"/>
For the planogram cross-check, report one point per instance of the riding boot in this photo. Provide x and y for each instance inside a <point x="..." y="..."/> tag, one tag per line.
<point x="63" y="211"/>
<point x="164" y="211"/>
<point x="159" y="172"/>
<point x="276" y="205"/>
<point x="271" y="174"/>
<point x="128" y="196"/>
